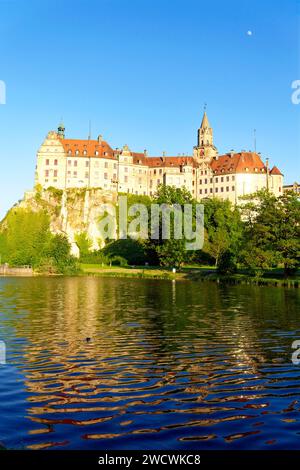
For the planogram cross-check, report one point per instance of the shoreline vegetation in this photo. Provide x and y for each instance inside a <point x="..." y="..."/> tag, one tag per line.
<point x="255" y="243"/>
<point x="273" y="278"/>
<point x="191" y="273"/>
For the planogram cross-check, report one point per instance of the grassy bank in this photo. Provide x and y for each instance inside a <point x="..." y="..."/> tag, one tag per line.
<point x="194" y="273"/>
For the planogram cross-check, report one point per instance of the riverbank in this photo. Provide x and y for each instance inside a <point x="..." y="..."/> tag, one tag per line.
<point x="195" y="273"/>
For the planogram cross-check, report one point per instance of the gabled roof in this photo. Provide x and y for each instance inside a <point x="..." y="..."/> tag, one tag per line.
<point x="84" y="148"/>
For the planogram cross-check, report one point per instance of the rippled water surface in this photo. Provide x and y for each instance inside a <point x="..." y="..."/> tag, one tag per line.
<point x="169" y="365"/>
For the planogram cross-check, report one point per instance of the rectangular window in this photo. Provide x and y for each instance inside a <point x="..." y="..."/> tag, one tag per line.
<point x="69" y="162"/>
<point x="233" y="188"/>
<point x="115" y="166"/>
<point x="227" y="188"/>
<point x="227" y="178"/>
<point x="233" y="178"/>
<point x="211" y="180"/>
<point x="75" y="162"/>
<point x="55" y="162"/>
<point x="200" y="191"/>
<point x="105" y="164"/>
<point x="205" y="181"/>
<point x="47" y="161"/>
<point x="217" y="180"/>
<point x="126" y="169"/>
<point x="87" y="163"/>
<point x="125" y="179"/>
<point x="222" y="179"/>
<point x="114" y="176"/>
<point x="55" y="173"/>
<point x="105" y="176"/>
<point x="206" y="191"/>
<point x="222" y="190"/>
<point x="210" y="190"/>
<point x="217" y="190"/>
<point x="200" y="181"/>
<point x="74" y="174"/>
<point x="86" y="174"/>
<point x="46" y="173"/>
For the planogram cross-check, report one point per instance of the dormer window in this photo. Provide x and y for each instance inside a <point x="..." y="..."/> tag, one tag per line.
<point x="70" y="152"/>
<point x="84" y="152"/>
<point x="76" y="152"/>
<point x="96" y="153"/>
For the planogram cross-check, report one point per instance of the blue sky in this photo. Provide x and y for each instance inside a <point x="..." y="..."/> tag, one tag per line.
<point x="142" y="70"/>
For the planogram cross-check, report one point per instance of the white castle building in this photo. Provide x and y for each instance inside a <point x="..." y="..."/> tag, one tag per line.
<point x="71" y="163"/>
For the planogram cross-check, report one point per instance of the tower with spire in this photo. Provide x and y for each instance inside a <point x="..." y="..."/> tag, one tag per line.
<point x="205" y="149"/>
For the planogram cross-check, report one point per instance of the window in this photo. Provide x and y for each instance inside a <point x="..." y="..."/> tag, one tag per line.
<point x="69" y="173"/>
<point x="158" y="181"/>
<point x="200" y="191"/>
<point x="105" y="164"/>
<point x="115" y="166"/>
<point x="227" y="178"/>
<point x="217" y="190"/>
<point x="96" y="153"/>
<point x="69" y="162"/>
<point x="227" y="188"/>
<point x="206" y="191"/>
<point x="77" y="152"/>
<point x="47" y="161"/>
<point x="86" y="174"/>
<point x="114" y="176"/>
<point x="105" y="176"/>
<point x="222" y="190"/>
<point x="211" y="180"/>
<point x="126" y="169"/>
<point x="87" y="163"/>
<point x="125" y="179"/>
<point x="75" y="162"/>
<point x="217" y="180"/>
<point x="74" y="174"/>
<point x="160" y="171"/>
<point x="200" y="181"/>
<point x="84" y="152"/>
<point x="222" y="179"/>
<point x="205" y="181"/>
<point x="233" y="188"/>
<point x="55" y="173"/>
<point x="46" y="173"/>
<point x="233" y="177"/>
<point x="55" y="162"/>
<point x="154" y="172"/>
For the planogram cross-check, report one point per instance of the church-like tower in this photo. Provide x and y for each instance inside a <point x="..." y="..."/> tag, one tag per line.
<point x="205" y="149"/>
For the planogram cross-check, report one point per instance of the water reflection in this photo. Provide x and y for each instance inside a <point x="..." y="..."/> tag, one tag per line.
<point x="168" y="365"/>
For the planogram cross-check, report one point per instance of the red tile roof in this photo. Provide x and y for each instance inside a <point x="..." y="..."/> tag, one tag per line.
<point x="243" y="162"/>
<point x="87" y="148"/>
<point x="275" y="171"/>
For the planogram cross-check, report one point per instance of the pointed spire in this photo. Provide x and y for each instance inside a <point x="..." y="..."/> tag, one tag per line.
<point x="204" y="123"/>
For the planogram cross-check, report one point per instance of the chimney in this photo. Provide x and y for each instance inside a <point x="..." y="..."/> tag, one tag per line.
<point x="99" y="138"/>
<point x="145" y="153"/>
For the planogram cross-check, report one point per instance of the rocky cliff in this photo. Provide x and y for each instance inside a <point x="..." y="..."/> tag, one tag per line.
<point x="71" y="211"/>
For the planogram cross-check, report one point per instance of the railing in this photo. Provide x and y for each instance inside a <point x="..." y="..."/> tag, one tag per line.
<point x="6" y="270"/>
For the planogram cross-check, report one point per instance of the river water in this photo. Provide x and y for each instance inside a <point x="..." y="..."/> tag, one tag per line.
<point x="169" y="365"/>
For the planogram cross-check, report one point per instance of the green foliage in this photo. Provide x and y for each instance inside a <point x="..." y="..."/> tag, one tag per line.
<point x="84" y="244"/>
<point x="134" y="251"/>
<point x="25" y="239"/>
<point x="224" y="229"/>
<point x="272" y="234"/>
<point x="118" y="261"/>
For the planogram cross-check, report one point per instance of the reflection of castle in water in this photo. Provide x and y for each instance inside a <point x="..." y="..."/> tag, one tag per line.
<point x="165" y="343"/>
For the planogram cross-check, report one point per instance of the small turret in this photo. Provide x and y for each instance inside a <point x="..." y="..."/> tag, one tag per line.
<point x="61" y="130"/>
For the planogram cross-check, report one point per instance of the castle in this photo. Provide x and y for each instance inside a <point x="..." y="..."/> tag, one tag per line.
<point x="71" y="163"/>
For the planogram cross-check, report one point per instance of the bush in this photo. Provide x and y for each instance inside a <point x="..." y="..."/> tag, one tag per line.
<point x="118" y="261"/>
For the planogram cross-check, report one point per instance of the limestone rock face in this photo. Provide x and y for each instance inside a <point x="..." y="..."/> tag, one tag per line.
<point x="72" y="211"/>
